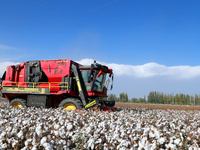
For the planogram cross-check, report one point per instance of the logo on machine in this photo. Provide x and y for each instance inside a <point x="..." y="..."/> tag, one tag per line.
<point x="32" y="90"/>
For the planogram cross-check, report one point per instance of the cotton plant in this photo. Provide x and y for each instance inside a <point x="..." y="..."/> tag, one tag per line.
<point x="41" y="128"/>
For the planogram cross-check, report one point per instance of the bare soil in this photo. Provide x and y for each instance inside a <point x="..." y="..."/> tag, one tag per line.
<point x="157" y="106"/>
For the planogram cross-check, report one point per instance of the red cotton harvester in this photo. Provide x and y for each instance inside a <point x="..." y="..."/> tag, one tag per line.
<point x="57" y="83"/>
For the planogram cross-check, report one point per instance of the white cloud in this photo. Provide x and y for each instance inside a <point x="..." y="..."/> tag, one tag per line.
<point x="5" y="47"/>
<point x="3" y="66"/>
<point x="139" y="71"/>
<point x="150" y="70"/>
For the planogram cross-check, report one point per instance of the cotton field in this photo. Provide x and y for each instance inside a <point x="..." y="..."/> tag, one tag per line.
<point x="39" y="128"/>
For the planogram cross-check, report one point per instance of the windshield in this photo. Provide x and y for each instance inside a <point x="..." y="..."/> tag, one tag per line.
<point x="95" y="84"/>
<point x="98" y="84"/>
<point x="85" y="74"/>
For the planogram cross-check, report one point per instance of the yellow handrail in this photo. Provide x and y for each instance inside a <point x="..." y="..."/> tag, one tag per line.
<point x="36" y="84"/>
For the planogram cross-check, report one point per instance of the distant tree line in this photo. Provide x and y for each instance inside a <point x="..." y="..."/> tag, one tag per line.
<point x="159" y="98"/>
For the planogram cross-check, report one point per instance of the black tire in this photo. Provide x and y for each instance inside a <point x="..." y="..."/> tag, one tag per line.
<point x="71" y="101"/>
<point x="18" y="102"/>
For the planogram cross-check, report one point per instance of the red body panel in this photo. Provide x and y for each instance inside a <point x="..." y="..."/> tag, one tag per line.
<point x="10" y="73"/>
<point x="55" y="70"/>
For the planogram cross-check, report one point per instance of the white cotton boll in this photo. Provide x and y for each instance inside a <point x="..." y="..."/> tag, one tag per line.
<point x="91" y="143"/>
<point x="4" y="146"/>
<point x="69" y="126"/>
<point x="198" y="130"/>
<point x="180" y="144"/>
<point x="46" y="128"/>
<point x="43" y="140"/>
<point x="157" y="134"/>
<point x="188" y="138"/>
<point x="105" y="145"/>
<point x="8" y="129"/>
<point x="118" y="146"/>
<point x="153" y="146"/>
<point x="68" y="143"/>
<point x="52" y="142"/>
<point x="57" y="133"/>
<point x="25" y="122"/>
<point x="14" y="143"/>
<point x="88" y="130"/>
<point x="183" y="130"/>
<point x="162" y="140"/>
<point x="56" y="126"/>
<point x="151" y="134"/>
<point x="66" y="148"/>
<point x="172" y="139"/>
<point x="138" y="127"/>
<point x="135" y="138"/>
<point x="172" y="146"/>
<point x="1" y="122"/>
<point x="33" y="142"/>
<point x="177" y="141"/>
<point x="128" y="132"/>
<point x="123" y="134"/>
<point x="141" y="145"/>
<point x="27" y="142"/>
<point x="20" y="134"/>
<point x="62" y="134"/>
<point x="147" y="146"/>
<point x="132" y="148"/>
<point x="24" y="148"/>
<point x="1" y="142"/>
<point x="47" y="146"/>
<point x="145" y="131"/>
<point x="2" y="135"/>
<point x="190" y="148"/>
<point x="34" y="148"/>
<point x="63" y="142"/>
<point x="14" y="131"/>
<point x="39" y="130"/>
<point x="71" y="134"/>
<point x="181" y="136"/>
<point x="127" y="143"/>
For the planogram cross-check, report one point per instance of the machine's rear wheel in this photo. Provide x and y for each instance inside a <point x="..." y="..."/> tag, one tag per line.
<point x="18" y="102"/>
<point x="71" y="104"/>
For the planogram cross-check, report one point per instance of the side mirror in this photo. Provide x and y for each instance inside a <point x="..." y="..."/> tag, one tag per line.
<point x="112" y="82"/>
<point x="111" y="87"/>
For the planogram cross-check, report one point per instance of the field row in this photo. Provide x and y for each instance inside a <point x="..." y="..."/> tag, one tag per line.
<point x="149" y="106"/>
<point x="38" y="128"/>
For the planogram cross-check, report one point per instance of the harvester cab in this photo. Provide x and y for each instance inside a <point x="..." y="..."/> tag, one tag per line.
<point x="57" y="83"/>
<point x="96" y="79"/>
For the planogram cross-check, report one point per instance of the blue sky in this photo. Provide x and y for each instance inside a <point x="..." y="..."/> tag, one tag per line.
<point x="123" y="32"/>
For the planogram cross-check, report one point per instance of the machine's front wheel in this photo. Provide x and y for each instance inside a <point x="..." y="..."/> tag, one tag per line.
<point x="18" y="102"/>
<point x="71" y="104"/>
